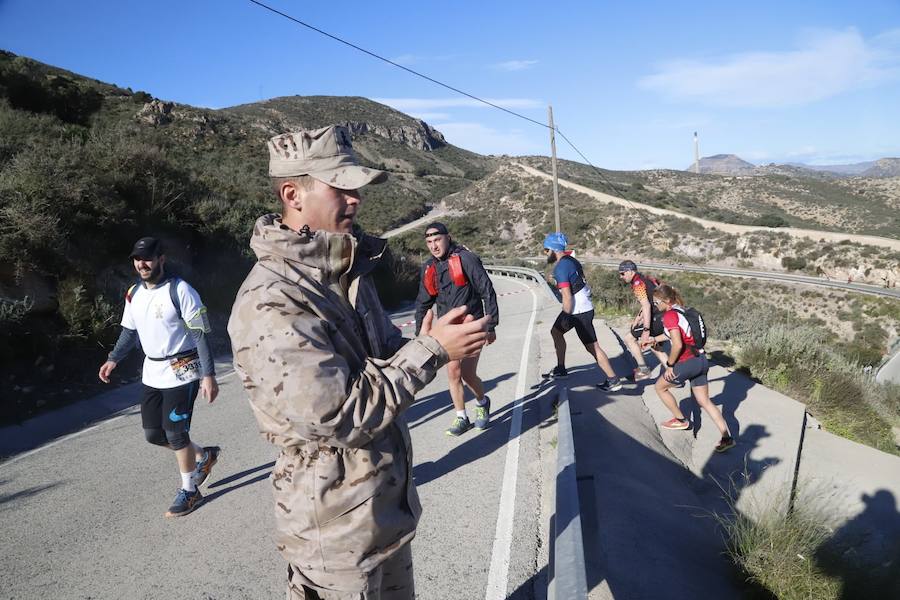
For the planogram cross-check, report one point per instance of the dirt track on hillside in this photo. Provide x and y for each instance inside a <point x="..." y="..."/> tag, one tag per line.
<point x="813" y="234"/>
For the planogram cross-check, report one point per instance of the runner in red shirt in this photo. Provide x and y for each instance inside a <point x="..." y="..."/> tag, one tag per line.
<point x="685" y="362"/>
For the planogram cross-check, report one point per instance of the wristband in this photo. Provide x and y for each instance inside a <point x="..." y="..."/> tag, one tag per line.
<point x="670" y="366"/>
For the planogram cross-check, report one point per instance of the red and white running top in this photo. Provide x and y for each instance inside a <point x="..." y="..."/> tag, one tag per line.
<point x="673" y="319"/>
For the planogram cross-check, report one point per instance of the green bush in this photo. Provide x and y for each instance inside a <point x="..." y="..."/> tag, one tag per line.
<point x="770" y="220"/>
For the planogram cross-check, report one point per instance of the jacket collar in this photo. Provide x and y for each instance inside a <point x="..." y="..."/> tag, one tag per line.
<point x="331" y="256"/>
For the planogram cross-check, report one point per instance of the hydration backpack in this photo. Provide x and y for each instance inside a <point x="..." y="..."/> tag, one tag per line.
<point x="454" y="263"/>
<point x="698" y="326"/>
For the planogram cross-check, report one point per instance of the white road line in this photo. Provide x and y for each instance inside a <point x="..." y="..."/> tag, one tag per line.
<point x="499" y="572"/>
<point x="70" y="436"/>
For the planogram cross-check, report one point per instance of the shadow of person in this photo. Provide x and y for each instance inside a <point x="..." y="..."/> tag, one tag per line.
<point x="267" y="468"/>
<point x="734" y="471"/>
<point x="734" y="392"/>
<point x="439" y="403"/>
<point x="865" y="551"/>
<point x="487" y="441"/>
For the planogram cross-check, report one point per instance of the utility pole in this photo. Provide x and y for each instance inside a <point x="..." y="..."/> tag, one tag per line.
<point x="553" y="150"/>
<point x="696" y="154"/>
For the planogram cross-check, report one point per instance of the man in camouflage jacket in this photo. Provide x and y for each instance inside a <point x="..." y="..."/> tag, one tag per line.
<point x="328" y="375"/>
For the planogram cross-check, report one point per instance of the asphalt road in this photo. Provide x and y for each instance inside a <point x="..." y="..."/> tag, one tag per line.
<point x="82" y="517"/>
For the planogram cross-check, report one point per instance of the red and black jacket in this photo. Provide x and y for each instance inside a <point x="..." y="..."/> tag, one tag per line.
<point x="457" y="279"/>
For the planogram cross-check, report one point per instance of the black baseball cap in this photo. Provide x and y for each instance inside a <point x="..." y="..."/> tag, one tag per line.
<point x="146" y="248"/>
<point x="627" y="265"/>
<point x="438" y="227"/>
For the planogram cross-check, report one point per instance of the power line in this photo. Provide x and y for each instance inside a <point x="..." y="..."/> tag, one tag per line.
<point x="607" y="182"/>
<point x="392" y="63"/>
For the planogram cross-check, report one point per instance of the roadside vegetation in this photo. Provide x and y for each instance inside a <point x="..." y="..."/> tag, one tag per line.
<point x="797" y="555"/>
<point x="776" y="334"/>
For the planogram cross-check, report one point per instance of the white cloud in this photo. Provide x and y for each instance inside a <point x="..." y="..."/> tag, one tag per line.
<point x="826" y="63"/>
<point x="514" y="65"/>
<point x="432" y="104"/>
<point x="487" y="140"/>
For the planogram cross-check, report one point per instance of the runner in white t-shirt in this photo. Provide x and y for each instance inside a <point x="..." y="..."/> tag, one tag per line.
<point x="165" y="317"/>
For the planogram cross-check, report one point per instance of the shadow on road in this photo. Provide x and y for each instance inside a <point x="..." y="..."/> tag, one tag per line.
<point x="864" y="553"/>
<point x="435" y="405"/>
<point x="26" y="493"/>
<point x="482" y="443"/>
<point x="267" y="467"/>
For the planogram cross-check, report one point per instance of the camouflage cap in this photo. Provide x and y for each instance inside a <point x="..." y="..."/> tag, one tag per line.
<point x="325" y="154"/>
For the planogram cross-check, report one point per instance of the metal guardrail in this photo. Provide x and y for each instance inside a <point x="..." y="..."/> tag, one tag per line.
<point x="522" y="273"/>
<point x="569" y="578"/>
<point x="568" y="575"/>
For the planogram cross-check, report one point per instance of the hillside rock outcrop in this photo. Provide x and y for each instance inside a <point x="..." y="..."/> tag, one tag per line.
<point x="420" y="137"/>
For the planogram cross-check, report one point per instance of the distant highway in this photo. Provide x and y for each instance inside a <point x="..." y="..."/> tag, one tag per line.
<point x="730" y="272"/>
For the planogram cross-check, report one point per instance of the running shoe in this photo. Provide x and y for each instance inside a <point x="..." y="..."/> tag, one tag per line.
<point x="482" y="414"/>
<point x="557" y="373"/>
<point x="460" y="426"/>
<point x="676" y="424"/>
<point x="185" y="503"/>
<point x="726" y="443"/>
<point x="610" y="385"/>
<point x="641" y="373"/>
<point x="205" y="464"/>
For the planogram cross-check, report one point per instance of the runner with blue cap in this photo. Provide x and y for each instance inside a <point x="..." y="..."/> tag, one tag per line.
<point x="577" y="312"/>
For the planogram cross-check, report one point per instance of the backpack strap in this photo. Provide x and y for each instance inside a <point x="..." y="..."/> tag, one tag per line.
<point x="173" y="295"/>
<point x="129" y="294"/>
<point x="429" y="279"/>
<point x="456" y="271"/>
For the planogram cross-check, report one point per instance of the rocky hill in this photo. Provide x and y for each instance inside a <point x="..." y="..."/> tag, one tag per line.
<point x="884" y="167"/>
<point x="725" y="164"/>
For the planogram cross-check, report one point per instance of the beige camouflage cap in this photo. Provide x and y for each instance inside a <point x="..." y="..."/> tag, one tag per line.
<point x="325" y="154"/>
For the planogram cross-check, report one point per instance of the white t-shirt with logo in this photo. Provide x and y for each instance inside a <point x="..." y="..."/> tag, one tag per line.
<point x="152" y="314"/>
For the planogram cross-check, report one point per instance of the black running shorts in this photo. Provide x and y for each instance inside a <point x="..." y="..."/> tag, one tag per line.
<point x="583" y="323"/>
<point x="169" y="409"/>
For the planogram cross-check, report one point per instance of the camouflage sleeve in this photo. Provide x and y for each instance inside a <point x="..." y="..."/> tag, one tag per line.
<point x="300" y="387"/>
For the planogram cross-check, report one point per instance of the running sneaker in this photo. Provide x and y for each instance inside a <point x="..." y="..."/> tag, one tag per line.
<point x="460" y="426"/>
<point x="726" y="443"/>
<point x="641" y="373"/>
<point x="613" y="384"/>
<point x="557" y="373"/>
<point x="676" y="424"/>
<point x="482" y="414"/>
<point x="185" y="502"/>
<point x="205" y="464"/>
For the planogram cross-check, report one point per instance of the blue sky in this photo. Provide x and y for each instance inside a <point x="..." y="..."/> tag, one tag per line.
<point x="815" y="82"/>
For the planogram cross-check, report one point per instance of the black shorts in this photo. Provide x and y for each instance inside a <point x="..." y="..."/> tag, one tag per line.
<point x="693" y="370"/>
<point x="169" y="409"/>
<point x="582" y="322"/>
<point x="656" y="327"/>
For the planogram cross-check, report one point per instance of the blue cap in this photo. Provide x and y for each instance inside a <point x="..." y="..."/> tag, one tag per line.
<point x="556" y="241"/>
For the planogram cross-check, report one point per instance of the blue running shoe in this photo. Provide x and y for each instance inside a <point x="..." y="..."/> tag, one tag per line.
<point x="483" y="414"/>
<point x="460" y="426"/>
<point x="185" y="502"/>
<point x="205" y="464"/>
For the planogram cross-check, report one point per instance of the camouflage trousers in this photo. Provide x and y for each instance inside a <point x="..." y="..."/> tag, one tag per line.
<point x="392" y="580"/>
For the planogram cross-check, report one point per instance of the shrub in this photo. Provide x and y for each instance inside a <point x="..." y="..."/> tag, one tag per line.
<point x="777" y="550"/>
<point x="793" y="263"/>
<point x="770" y="220"/>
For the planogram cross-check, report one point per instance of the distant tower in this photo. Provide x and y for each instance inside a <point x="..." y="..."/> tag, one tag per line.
<point x="696" y="153"/>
